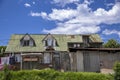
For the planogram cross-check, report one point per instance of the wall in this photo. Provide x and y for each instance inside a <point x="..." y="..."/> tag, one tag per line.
<point x="65" y="61"/>
<point x="85" y="61"/>
<point x="79" y="61"/>
<point x="73" y="61"/>
<point x="94" y="61"/>
<point x="108" y="59"/>
<point x="91" y="61"/>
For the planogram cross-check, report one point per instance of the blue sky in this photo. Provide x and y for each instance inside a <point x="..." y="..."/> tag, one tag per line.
<point x="59" y="17"/>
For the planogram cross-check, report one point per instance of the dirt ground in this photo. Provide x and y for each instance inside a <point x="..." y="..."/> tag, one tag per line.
<point x="107" y="71"/>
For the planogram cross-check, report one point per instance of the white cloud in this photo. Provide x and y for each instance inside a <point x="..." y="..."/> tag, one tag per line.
<point x="27" y="5"/>
<point x="83" y="13"/>
<point x="109" y="4"/>
<point x="59" y="15"/>
<point x="88" y="1"/>
<point x="109" y="32"/>
<point x="36" y="14"/>
<point x="64" y="2"/>
<point x="82" y="19"/>
<point x="62" y="14"/>
<point x="109" y="17"/>
<point x="73" y="29"/>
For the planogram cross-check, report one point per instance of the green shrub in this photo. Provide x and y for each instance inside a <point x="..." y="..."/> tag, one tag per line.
<point x="49" y="74"/>
<point x="1" y="76"/>
<point x="83" y="76"/>
<point x="117" y="71"/>
<point x="6" y="74"/>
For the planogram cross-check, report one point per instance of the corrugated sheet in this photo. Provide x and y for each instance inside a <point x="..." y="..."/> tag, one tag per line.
<point x="14" y="43"/>
<point x="95" y="38"/>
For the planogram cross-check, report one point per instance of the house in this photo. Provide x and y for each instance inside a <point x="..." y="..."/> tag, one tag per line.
<point x="59" y="51"/>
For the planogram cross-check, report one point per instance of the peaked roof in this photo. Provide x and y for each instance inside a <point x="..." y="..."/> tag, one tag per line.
<point x="48" y="36"/>
<point x="62" y="40"/>
<point x="25" y="36"/>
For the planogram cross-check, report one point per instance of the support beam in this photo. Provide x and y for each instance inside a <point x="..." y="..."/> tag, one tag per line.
<point x="21" y="62"/>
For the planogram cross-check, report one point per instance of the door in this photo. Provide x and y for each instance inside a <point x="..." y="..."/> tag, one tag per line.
<point x="56" y="60"/>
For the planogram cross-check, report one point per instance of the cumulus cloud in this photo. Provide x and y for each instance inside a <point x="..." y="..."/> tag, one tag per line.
<point x="109" y="32"/>
<point x="36" y="14"/>
<point x="62" y="14"/>
<point x="108" y="17"/>
<point x="83" y="14"/>
<point x="27" y="5"/>
<point x="82" y="19"/>
<point x="64" y="2"/>
<point x="73" y="29"/>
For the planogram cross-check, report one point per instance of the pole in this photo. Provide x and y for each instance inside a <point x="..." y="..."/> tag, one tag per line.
<point x="21" y="62"/>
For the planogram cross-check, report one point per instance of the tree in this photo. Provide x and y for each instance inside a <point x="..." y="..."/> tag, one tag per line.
<point x="112" y="44"/>
<point x="2" y="50"/>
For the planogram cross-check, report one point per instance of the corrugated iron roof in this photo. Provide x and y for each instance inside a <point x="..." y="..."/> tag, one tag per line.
<point x="62" y="39"/>
<point x="95" y="38"/>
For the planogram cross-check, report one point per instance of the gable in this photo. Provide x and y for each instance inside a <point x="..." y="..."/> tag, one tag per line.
<point x="49" y="40"/>
<point x="48" y="36"/>
<point x="27" y="40"/>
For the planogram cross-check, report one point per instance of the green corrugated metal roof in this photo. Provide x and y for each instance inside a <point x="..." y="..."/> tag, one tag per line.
<point x="14" y="43"/>
<point x="95" y="38"/>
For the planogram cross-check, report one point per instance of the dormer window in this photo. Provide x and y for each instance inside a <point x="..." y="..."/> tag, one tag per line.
<point x="27" y="40"/>
<point x="50" y="42"/>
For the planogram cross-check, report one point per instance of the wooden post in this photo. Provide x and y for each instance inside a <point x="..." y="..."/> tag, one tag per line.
<point x="21" y="62"/>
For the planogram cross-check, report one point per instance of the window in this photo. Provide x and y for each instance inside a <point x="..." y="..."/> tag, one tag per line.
<point x="50" y="42"/>
<point x="26" y="43"/>
<point x="27" y="40"/>
<point x="74" y="45"/>
<point x="47" y="58"/>
<point x="78" y="45"/>
<point x="86" y="39"/>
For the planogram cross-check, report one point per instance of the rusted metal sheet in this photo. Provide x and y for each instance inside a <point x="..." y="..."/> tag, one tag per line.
<point x="30" y="59"/>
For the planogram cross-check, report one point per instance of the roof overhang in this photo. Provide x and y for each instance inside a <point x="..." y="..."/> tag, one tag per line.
<point x="30" y="52"/>
<point x="95" y="49"/>
<point x="25" y="54"/>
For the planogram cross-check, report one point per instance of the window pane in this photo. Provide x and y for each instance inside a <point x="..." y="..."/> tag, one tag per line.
<point x="26" y="43"/>
<point x="31" y="43"/>
<point x="49" y="42"/>
<point x="47" y="58"/>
